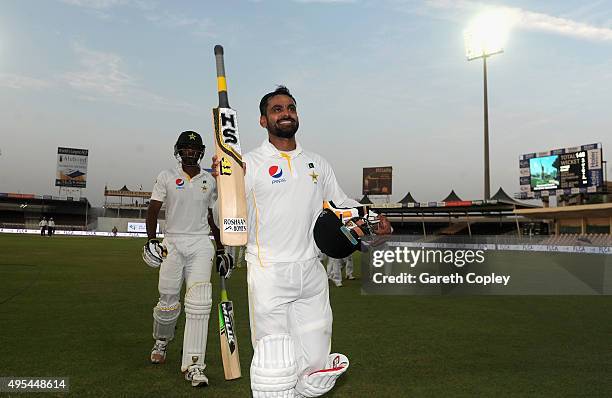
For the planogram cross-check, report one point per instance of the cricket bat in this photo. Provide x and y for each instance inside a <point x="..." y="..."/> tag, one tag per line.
<point x="230" y="181"/>
<point x="227" y="334"/>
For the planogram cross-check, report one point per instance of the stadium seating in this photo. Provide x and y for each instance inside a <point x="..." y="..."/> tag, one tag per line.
<point x="12" y="220"/>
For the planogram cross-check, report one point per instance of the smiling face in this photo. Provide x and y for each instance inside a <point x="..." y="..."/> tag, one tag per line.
<point x="281" y="118"/>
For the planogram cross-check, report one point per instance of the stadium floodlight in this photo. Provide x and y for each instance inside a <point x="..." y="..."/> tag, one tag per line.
<point x="487" y="34"/>
<point x="484" y="37"/>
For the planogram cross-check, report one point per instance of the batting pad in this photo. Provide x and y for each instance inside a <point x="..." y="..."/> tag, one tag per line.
<point x="164" y="320"/>
<point x="274" y="367"/>
<point x="198" y="301"/>
<point x="321" y="381"/>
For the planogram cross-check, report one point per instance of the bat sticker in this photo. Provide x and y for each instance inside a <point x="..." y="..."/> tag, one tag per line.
<point x="234" y="225"/>
<point x="226" y="167"/>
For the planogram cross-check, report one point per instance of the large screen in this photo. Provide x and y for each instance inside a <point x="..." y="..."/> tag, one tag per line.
<point x="377" y="180"/>
<point x="562" y="171"/>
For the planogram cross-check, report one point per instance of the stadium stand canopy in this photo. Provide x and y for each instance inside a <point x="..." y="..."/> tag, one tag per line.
<point x="131" y="204"/>
<point x="24" y="211"/>
<point x="365" y="200"/>
<point x="502" y="197"/>
<point x="125" y="192"/>
<point x="452" y="197"/>
<point x="407" y="199"/>
<point x="455" y="215"/>
<point x="578" y="219"/>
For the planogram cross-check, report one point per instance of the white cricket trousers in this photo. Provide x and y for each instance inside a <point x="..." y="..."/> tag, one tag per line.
<point x="334" y="268"/>
<point x="189" y="259"/>
<point x="292" y="298"/>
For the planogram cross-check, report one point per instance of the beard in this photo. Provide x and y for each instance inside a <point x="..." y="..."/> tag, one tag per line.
<point x="283" y="131"/>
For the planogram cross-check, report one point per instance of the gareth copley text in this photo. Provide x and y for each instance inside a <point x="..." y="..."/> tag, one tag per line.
<point x="430" y="279"/>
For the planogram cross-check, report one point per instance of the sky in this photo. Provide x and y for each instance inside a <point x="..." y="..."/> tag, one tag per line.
<point x="377" y="83"/>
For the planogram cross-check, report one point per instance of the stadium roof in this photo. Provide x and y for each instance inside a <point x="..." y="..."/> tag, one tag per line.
<point x="408" y="199"/>
<point x="126" y="192"/>
<point x="20" y="202"/>
<point x="452" y="197"/>
<point x="501" y="204"/>
<point x="11" y="196"/>
<point x="502" y="197"/>
<point x="365" y="200"/>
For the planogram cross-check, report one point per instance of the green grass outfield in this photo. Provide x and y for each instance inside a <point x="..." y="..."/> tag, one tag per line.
<point x="81" y="307"/>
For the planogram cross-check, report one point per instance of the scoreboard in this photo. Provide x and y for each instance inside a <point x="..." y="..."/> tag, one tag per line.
<point x="562" y="172"/>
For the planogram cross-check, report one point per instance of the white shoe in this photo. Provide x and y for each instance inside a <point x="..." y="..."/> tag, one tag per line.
<point x="338" y="284"/>
<point x="195" y="374"/>
<point x="158" y="353"/>
<point x="350" y="277"/>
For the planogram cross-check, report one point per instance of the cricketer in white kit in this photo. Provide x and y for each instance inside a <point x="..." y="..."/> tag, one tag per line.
<point x="186" y="254"/>
<point x="290" y="313"/>
<point x="334" y="269"/>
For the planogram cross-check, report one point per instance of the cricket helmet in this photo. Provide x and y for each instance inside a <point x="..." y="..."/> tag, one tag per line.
<point x="338" y="240"/>
<point x="153" y="253"/>
<point x="187" y="142"/>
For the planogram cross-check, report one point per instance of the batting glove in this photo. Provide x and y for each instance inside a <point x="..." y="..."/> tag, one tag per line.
<point x="225" y="263"/>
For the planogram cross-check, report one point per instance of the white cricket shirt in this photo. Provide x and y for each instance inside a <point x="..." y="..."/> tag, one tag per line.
<point x="285" y="194"/>
<point x="187" y="200"/>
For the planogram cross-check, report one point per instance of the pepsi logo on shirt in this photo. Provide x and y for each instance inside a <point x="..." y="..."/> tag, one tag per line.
<point x="276" y="172"/>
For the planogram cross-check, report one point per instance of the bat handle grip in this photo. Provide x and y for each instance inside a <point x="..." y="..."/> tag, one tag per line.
<point x="221" y="81"/>
<point x="223" y="289"/>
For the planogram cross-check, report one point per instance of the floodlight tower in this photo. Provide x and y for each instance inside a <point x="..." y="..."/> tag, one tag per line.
<point x="484" y="38"/>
